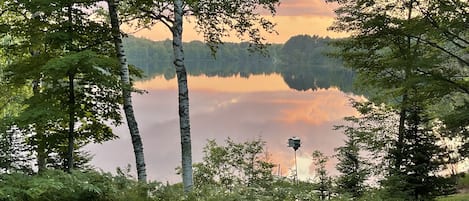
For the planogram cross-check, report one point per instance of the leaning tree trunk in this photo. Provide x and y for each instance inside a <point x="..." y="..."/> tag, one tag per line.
<point x="184" y="122"/>
<point x="126" y="90"/>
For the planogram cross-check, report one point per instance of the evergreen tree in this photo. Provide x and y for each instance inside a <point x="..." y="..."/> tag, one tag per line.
<point x="422" y="160"/>
<point x="353" y="167"/>
<point x="390" y="52"/>
<point x="324" y="185"/>
<point x="421" y="153"/>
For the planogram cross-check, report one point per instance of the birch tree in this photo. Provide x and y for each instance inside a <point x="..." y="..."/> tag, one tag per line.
<point x="215" y="20"/>
<point x="126" y="92"/>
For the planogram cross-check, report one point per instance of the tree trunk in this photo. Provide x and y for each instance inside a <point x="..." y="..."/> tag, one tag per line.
<point x="71" y="123"/>
<point x="40" y="141"/>
<point x="126" y="92"/>
<point x="401" y="134"/>
<point x="404" y="105"/>
<point x="184" y="122"/>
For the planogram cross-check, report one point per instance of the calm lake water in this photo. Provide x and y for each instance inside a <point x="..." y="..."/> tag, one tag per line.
<point x="240" y="108"/>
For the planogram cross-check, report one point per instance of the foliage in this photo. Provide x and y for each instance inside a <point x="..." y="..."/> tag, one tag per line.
<point x="324" y="181"/>
<point x="423" y="157"/>
<point x="455" y="197"/>
<point x="215" y="20"/>
<point x="307" y="50"/>
<point x="234" y="165"/>
<point x="402" y="52"/>
<point x="405" y="53"/>
<point x="13" y="150"/>
<point x="237" y="171"/>
<point x="54" y="185"/>
<point x="64" y="55"/>
<point x="354" y="168"/>
<point x="97" y="94"/>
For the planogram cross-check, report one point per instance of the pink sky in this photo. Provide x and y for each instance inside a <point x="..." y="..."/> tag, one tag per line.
<point x="294" y="17"/>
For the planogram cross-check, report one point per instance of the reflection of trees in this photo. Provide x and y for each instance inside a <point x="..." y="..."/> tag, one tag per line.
<point x="301" y="62"/>
<point x="303" y="78"/>
<point x="304" y="65"/>
<point x="155" y="57"/>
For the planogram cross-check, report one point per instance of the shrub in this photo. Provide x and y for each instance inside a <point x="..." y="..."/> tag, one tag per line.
<point x="55" y="185"/>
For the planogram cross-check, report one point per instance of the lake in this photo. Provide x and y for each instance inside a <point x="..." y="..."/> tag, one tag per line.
<point x="242" y="108"/>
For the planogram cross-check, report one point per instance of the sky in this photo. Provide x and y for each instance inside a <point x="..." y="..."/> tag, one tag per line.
<point x="294" y="17"/>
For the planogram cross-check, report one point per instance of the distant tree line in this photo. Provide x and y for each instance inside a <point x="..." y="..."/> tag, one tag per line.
<point x="155" y="57"/>
<point x="302" y="61"/>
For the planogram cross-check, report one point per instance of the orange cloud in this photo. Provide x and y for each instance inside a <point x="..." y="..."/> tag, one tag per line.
<point x="306" y="8"/>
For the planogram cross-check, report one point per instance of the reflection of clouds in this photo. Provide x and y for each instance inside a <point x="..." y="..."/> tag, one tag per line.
<point x="324" y="106"/>
<point x="241" y="116"/>
<point x="225" y="103"/>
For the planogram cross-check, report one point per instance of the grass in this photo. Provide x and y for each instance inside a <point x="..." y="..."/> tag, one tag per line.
<point x="455" y="197"/>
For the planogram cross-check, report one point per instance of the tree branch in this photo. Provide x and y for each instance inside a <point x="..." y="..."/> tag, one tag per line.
<point x="445" y="31"/>
<point x="162" y="18"/>
<point x="435" y="45"/>
<point x="442" y="78"/>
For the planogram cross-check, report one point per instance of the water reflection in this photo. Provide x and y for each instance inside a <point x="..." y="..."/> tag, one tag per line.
<point x="301" y="62"/>
<point x="243" y="109"/>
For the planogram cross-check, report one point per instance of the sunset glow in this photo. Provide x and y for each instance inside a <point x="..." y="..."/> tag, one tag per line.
<point x="228" y="84"/>
<point x="294" y="17"/>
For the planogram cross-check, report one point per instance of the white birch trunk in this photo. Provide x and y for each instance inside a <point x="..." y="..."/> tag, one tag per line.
<point x="184" y="122"/>
<point x="126" y="90"/>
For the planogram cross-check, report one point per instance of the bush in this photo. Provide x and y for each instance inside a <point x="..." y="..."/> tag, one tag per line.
<point x="55" y="185"/>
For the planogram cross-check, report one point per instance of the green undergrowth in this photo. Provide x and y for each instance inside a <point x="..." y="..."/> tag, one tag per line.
<point x="55" y="185"/>
<point x="455" y="197"/>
